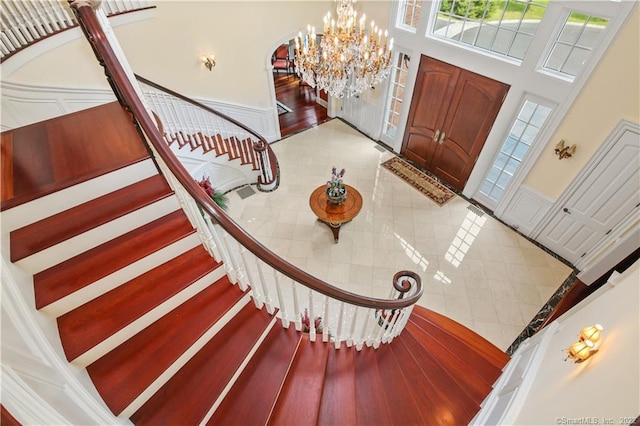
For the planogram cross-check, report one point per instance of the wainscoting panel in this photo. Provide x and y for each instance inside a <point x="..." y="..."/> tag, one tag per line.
<point x="23" y="105"/>
<point x="526" y="209"/>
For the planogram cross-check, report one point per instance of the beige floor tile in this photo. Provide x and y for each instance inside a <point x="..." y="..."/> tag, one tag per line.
<point x="474" y="269"/>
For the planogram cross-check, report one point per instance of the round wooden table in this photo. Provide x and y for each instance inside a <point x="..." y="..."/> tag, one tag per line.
<point x="335" y="215"/>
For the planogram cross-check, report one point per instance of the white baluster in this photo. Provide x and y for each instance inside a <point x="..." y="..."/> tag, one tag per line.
<point x="265" y="289"/>
<point x="283" y="309"/>
<point x="258" y="299"/>
<point x="339" y="336"/>
<point x="296" y="305"/>
<point x="312" y="322"/>
<point x="325" y="328"/>
<point x="352" y="330"/>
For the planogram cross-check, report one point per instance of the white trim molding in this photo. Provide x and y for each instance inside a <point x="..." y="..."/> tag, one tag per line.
<point x="526" y="208"/>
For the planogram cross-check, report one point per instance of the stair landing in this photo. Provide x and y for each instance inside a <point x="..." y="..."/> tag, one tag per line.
<point x="51" y="155"/>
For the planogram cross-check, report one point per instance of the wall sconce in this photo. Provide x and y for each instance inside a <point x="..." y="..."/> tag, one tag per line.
<point x="209" y="61"/>
<point x="563" y="151"/>
<point x="587" y="344"/>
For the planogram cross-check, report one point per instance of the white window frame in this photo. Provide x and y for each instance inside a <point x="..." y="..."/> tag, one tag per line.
<point x="400" y="24"/>
<point x="390" y="95"/>
<point x="433" y="16"/>
<point x="535" y="149"/>
<point x="540" y="68"/>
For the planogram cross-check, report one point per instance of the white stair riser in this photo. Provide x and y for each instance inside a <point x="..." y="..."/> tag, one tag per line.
<point x="119" y="277"/>
<point x="62" y="200"/>
<point x="79" y="244"/>
<point x="147" y="319"/>
<point x="184" y="358"/>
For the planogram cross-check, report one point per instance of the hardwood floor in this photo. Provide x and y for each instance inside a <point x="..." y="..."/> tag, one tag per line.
<point x="306" y="112"/>
<point x="51" y="155"/>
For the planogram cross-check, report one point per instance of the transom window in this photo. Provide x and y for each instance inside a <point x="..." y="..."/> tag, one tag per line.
<point x="396" y="93"/>
<point x="573" y="44"/>
<point x="503" y="27"/>
<point x="409" y="14"/>
<point x="523" y="133"/>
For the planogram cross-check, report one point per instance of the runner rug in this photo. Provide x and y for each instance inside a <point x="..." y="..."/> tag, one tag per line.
<point x="439" y="193"/>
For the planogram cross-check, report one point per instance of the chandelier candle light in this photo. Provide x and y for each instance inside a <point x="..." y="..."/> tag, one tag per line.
<point x="349" y="59"/>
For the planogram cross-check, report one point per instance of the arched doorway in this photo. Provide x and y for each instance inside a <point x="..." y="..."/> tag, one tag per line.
<point x="299" y="106"/>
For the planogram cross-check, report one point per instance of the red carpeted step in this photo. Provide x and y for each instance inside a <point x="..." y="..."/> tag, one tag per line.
<point x="69" y="276"/>
<point x="489" y="351"/>
<point x="338" y="402"/>
<point x="89" y="324"/>
<point x="191" y="392"/>
<point x="84" y="217"/>
<point x="125" y="372"/>
<point x="298" y="403"/>
<point x="453" y="402"/>
<point x="256" y="390"/>
<point x="371" y="402"/>
<point x="399" y="390"/>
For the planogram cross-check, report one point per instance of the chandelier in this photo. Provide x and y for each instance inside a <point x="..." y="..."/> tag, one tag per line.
<point x="349" y="58"/>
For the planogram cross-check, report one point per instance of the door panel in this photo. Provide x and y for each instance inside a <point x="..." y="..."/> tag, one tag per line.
<point x="452" y="112"/>
<point x="434" y="87"/>
<point x="607" y="195"/>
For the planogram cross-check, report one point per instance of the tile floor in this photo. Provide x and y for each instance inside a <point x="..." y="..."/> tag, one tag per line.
<point x="474" y="269"/>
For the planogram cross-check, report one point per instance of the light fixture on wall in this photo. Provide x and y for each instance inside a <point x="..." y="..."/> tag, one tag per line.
<point x="349" y="59"/>
<point x="563" y="151"/>
<point x="209" y="61"/>
<point x="587" y="344"/>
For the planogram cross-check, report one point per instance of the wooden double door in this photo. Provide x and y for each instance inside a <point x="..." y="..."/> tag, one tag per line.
<point x="452" y="111"/>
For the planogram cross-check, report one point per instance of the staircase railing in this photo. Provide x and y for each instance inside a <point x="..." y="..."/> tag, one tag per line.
<point x="284" y="289"/>
<point x="196" y="126"/>
<point x="26" y="22"/>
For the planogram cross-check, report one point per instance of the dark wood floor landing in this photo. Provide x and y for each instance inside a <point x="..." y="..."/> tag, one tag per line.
<point x="45" y="157"/>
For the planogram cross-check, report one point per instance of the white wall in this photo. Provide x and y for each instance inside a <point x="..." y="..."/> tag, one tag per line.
<point x="606" y="386"/>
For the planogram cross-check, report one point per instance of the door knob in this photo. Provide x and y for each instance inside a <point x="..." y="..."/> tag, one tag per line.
<point x="436" y="135"/>
<point x="443" y="136"/>
<point x="566" y="210"/>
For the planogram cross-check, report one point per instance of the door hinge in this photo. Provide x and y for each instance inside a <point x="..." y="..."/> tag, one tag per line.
<point x="607" y="233"/>
<point x="584" y="254"/>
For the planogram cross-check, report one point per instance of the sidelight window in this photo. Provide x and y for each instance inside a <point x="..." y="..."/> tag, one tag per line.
<point x="503" y="28"/>
<point x="522" y="135"/>
<point x="396" y="93"/>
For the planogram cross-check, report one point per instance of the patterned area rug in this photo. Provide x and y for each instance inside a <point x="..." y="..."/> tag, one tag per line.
<point x="420" y="181"/>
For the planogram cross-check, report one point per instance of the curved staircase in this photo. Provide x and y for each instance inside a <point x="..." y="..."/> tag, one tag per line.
<point x="167" y="339"/>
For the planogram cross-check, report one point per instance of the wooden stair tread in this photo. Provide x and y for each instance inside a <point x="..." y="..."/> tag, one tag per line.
<point x="89" y="324"/>
<point x="438" y="408"/>
<point x="371" y="403"/>
<point x="400" y="393"/>
<point x="473" y="355"/>
<point x="490" y="352"/>
<point x="298" y="403"/>
<point x="459" y="365"/>
<point x="451" y="403"/>
<point x="337" y="405"/>
<point x="463" y="404"/>
<point x="265" y="372"/>
<point x="50" y="231"/>
<point x="125" y="372"/>
<point x="187" y="397"/>
<point x="73" y="274"/>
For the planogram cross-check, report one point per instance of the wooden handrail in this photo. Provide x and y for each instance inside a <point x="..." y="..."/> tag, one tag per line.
<point x="260" y="145"/>
<point x="118" y="76"/>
